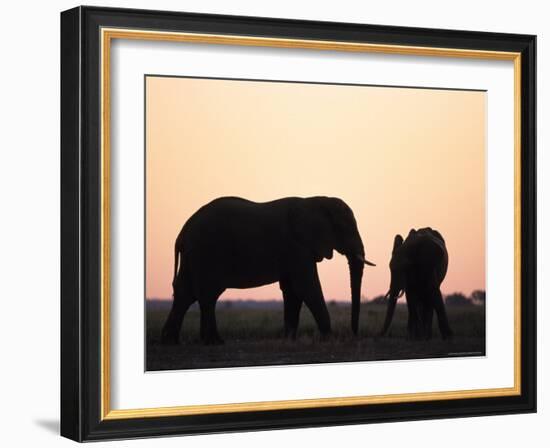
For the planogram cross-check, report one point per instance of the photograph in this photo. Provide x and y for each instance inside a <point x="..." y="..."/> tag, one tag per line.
<point x="292" y="222"/>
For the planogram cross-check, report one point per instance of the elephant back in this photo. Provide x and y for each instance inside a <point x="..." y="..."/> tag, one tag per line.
<point x="430" y="245"/>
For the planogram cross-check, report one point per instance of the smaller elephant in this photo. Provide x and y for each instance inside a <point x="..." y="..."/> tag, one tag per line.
<point x="418" y="267"/>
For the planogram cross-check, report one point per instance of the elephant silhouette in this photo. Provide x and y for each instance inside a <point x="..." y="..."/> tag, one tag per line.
<point x="418" y="267"/>
<point x="236" y="243"/>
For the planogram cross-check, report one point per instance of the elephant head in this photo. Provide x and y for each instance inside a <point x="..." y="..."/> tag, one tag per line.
<point x="420" y="246"/>
<point x="326" y="224"/>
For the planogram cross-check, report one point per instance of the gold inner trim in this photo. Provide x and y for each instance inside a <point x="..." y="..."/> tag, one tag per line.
<point x="117" y="33"/>
<point x="517" y="222"/>
<point x="105" y="225"/>
<point x="107" y="34"/>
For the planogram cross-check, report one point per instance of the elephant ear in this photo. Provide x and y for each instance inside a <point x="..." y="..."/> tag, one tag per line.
<point x="399" y="259"/>
<point x="397" y="242"/>
<point x="311" y="227"/>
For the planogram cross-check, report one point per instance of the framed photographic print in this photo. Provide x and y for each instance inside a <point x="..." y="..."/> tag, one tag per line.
<point x="273" y="223"/>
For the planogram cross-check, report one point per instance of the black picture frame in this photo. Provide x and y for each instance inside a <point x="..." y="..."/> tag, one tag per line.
<point x="81" y="381"/>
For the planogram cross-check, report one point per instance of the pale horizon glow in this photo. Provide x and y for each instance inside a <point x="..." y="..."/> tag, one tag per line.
<point x="401" y="158"/>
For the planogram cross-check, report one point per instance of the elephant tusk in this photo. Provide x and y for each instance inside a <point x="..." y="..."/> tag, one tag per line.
<point x="364" y="260"/>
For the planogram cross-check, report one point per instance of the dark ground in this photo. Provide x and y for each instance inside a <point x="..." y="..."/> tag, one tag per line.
<point x="253" y="335"/>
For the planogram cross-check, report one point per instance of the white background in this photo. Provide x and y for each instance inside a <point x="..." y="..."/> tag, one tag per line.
<point x="132" y="388"/>
<point x="29" y="234"/>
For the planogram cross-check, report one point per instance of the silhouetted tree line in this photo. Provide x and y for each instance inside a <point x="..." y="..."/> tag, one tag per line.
<point x="455" y="299"/>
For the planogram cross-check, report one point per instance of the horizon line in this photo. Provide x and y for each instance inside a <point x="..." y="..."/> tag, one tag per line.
<point x="277" y="299"/>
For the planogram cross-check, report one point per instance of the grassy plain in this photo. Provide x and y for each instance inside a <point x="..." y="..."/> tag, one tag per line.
<point x="253" y="335"/>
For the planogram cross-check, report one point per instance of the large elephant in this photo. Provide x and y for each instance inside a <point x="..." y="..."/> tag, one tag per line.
<point x="235" y="243"/>
<point x="418" y="267"/>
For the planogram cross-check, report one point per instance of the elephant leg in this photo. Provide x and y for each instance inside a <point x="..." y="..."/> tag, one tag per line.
<point x="410" y="318"/>
<point x="209" y="328"/>
<point x="412" y="322"/>
<point x="427" y="319"/>
<point x="309" y="288"/>
<point x="183" y="299"/>
<point x="444" y="327"/>
<point x="292" y="306"/>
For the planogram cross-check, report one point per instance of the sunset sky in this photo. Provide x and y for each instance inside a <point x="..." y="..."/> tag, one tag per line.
<point x="401" y="158"/>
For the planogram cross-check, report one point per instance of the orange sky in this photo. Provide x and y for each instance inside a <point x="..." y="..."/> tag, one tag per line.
<point x="399" y="157"/>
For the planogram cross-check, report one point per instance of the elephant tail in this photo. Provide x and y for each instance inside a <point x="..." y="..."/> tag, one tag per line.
<point x="176" y="259"/>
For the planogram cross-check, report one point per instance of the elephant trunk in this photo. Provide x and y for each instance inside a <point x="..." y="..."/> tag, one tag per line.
<point x="356" y="275"/>
<point x="393" y="296"/>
